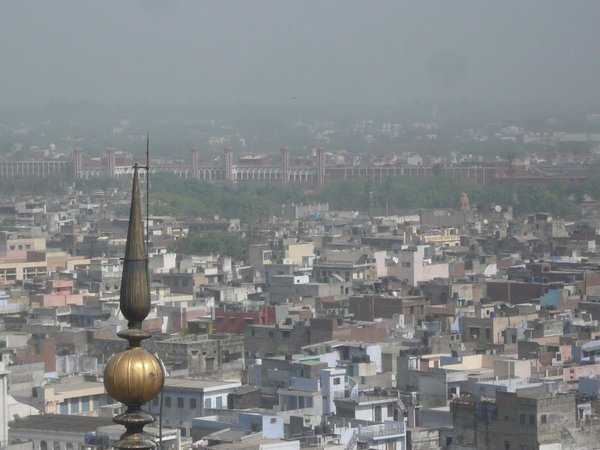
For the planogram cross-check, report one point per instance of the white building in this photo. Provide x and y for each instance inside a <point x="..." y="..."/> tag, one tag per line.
<point x="184" y="399"/>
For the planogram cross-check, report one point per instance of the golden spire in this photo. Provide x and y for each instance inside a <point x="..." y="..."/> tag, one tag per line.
<point x="134" y="376"/>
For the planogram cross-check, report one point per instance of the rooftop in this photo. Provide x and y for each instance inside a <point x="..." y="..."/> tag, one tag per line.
<point x="183" y="383"/>
<point x="53" y="422"/>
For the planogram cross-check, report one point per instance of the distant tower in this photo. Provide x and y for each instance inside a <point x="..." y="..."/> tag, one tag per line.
<point x="194" y="154"/>
<point x="110" y="162"/>
<point x="228" y="164"/>
<point x="134" y="376"/>
<point x="285" y="165"/>
<point x="463" y="202"/>
<point x="78" y="162"/>
<point x="320" y="166"/>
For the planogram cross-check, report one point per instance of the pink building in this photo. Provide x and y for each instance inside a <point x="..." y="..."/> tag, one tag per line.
<point x="58" y="293"/>
<point x="572" y="374"/>
<point x="412" y="266"/>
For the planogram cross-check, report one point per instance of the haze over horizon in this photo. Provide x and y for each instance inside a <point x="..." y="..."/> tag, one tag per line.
<point x="306" y="53"/>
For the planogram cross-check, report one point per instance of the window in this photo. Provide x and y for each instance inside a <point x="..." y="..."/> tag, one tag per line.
<point x="179" y="402"/>
<point x="488" y="333"/>
<point x="192" y="403"/>
<point x="155" y="401"/>
<point x="64" y="408"/>
<point x="543" y="419"/>
<point x="337" y="381"/>
<point x="74" y="406"/>
<point x="168" y="402"/>
<point x="85" y="404"/>
<point x="531" y="419"/>
<point x="506" y="445"/>
<point x="12" y="247"/>
<point x="378" y="413"/>
<point x="522" y="418"/>
<point x="390" y="410"/>
<point x="406" y="265"/>
<point x="207" y="403"/>
<point x="219" y="402"/>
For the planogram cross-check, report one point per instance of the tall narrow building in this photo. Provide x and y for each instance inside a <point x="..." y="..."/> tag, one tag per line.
<point x="285" y="165"/>
<point x="321" y="166"/>
<point x="228" y="164"/>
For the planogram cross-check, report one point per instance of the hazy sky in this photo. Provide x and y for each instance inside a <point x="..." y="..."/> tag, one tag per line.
<point x="319" y="51"/>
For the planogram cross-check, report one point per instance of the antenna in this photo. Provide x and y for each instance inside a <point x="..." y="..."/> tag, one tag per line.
<point x="147" y="168"/>
<point x="162" y="364"/>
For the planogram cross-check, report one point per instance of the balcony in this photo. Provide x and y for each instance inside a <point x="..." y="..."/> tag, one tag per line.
<point x="11" y="309"/>
<point x="383" y="431"/>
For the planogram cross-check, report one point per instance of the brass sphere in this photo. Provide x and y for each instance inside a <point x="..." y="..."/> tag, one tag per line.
<point x="133" y="376"/>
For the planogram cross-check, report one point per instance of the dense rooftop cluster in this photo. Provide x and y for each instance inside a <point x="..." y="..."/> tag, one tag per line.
<point x="456" y="328"/>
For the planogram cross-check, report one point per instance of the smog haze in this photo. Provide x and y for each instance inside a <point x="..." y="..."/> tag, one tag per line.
<point x="273" y="52"/>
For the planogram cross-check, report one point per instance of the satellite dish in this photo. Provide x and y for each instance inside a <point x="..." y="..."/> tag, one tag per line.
<point x="498" y="208"/>
<point x="395" y="259"/>
<point x="485" y="221"/>
<point x="549" y="219"/>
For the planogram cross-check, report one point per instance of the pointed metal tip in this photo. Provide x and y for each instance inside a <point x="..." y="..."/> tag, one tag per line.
<point x="135" y="295"/>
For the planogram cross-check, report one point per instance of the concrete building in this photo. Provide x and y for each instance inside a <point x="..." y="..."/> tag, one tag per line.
<point x="532" y="418"/>
<point x="372" y="408"/>
<point x="201" y="354"/>
<point x="83" y="398"/>
<point x="302" y="394"/>
<point x="15" y="245"/>
<point x="55" y="432"/>
<point x="185" y="399"/>
<point x="413" y="266"/>
<point x="390" y="435"/>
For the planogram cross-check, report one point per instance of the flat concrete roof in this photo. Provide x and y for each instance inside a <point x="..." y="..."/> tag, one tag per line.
<point x="55" y="422"/>
<point x="185" y="383"/>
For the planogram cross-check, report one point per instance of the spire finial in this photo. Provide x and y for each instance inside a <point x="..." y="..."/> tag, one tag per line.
<point x="134" y="376"/>
<point x="135" y="295"/>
